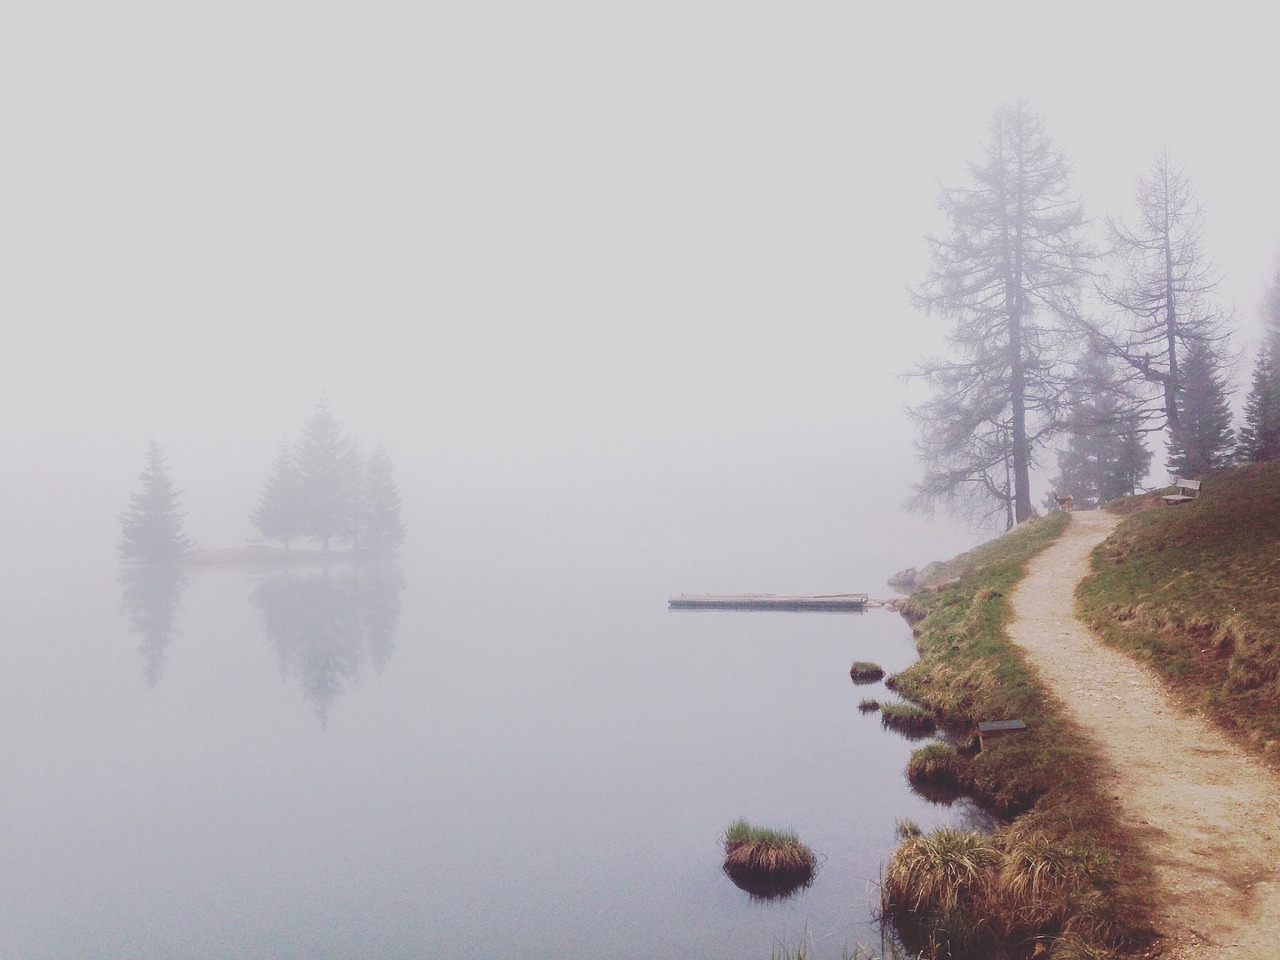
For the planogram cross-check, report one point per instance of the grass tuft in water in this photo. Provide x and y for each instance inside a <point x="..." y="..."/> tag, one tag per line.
<point x="867" y="705"/>
<point x="864" y="672"/>
<point x="766" y="862"/>
<point x="936" y="765"/>
<point x="907" y="718"/>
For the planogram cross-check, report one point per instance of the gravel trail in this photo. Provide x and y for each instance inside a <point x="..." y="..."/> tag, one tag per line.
<point x="1208" y="812"/>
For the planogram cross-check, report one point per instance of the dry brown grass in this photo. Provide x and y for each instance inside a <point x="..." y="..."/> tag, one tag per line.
<point x="1194" y="590"/>
<point x="1060" y="880"/>
<point x="767" y="863"/>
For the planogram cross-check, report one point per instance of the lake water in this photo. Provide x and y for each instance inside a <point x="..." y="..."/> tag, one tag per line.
<point x="503" y="746"/>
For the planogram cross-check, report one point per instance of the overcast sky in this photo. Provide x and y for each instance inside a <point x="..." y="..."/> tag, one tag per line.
<point x="552" y="223"/>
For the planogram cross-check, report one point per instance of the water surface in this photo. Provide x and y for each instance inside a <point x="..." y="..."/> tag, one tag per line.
<point x="501" y="745"/>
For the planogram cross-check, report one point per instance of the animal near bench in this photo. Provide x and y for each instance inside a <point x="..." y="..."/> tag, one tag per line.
<point x="1187" y="490"/>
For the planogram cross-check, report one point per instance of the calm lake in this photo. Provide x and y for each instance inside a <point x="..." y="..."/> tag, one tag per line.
<point x="505" y="745"/>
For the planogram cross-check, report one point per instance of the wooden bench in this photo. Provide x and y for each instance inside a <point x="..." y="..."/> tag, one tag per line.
<point x="1187" y="490"/>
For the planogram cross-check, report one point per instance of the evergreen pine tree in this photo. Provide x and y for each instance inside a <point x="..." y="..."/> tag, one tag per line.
<point x="326" y="499"/>
<point x="277" y="515"/>
<point x="152" y="526"/>
<point x="1260" y="435"/>
<point x="1205" y="441"/>
<point x="381" y="528"/>
<point x="1105" y="456"/>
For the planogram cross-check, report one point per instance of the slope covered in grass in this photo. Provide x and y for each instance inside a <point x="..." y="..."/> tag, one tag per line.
<point x="1060" y="879"/>
<point x="1195" y="591"/>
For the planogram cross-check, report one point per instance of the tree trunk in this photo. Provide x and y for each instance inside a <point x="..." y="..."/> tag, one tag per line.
<point x="1017" y="364"/>
<point x="1171" y="382"/>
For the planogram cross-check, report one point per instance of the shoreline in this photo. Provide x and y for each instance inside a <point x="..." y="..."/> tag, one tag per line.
<point x="260" y="554"/>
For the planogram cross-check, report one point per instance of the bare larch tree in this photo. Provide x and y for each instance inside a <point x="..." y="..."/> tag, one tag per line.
<point x="1006" y="278"/>
<point x="1159" y="288"/>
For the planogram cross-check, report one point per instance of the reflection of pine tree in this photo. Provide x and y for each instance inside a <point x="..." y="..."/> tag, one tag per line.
<point x="382" y="530"/>
<point x="152" y="595"/>
<point x="319" y="623"/>
<point x="277" y="515"/>
<point x="379" y="601"/>
<point x="152" y="526"/>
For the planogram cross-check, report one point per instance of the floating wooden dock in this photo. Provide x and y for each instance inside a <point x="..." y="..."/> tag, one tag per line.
<point x="768" y="601"/>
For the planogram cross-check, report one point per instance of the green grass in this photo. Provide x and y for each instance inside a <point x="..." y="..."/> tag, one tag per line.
<point x="1194" y="590"/>
<point x="907" y="718"/>
<point x="742" y="831"/>
<point x="767" y="862"/>
<point x="864" y="672"/>
<point x="868" y="705"/>
<point x="936" y="765"/>
<point x="994" y="896"/>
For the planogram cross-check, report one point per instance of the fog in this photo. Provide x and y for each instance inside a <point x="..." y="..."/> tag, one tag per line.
<point x="632" y="280"/>
<point x="543" y="238"/>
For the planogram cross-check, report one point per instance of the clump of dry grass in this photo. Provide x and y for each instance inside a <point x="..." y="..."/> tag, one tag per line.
<point x="937" y="870"/>
<point x="765" y="862"/>
<point x="867" y="705"/>
<point x="1062" y="880"/>
<point x="955" y="893"/>
<point x="936" y="765"/>
<point x="864" y="672"/>
<point x="907" y="718"/>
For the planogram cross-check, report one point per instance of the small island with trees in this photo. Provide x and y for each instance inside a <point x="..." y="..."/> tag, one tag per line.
<point x="321" y="489"/>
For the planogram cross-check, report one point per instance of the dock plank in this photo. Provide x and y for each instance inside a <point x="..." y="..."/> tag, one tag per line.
<point x="768" y="601"/>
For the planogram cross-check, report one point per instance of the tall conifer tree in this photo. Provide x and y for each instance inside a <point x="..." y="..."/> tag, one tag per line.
<point x="278" y="514"/>
<point x="1260" y="434"/>
<point x="1005" y="278"/>
<point x="1105" y="456"/>
<point x="382" y="531"/>
<point x="1205" y="441"/>
<point x="1161" y="287"/>
<point x="152" y="526"/>
<point x="327" y="500"/>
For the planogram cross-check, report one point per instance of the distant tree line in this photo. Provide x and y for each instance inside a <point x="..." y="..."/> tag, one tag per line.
<point x="1056" y="341"/>
<point x="322" y="489"/>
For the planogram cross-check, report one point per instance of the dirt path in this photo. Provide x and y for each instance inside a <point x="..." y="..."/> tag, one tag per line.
<point x="1209" y="813"/>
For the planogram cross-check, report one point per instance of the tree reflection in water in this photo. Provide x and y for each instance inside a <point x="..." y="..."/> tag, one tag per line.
<point x="326" y="624"/>
<point x="151" y="596"/>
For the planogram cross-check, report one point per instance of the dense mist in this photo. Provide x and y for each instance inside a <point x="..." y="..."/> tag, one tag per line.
<point x="624" y="294"/>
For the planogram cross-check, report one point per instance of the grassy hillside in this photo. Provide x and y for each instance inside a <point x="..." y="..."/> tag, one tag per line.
<point x="1058" y="880"/>
<point x="1195" y="591"/>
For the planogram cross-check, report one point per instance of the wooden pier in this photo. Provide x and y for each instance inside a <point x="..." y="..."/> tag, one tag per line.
<point x="768" y="601"/>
